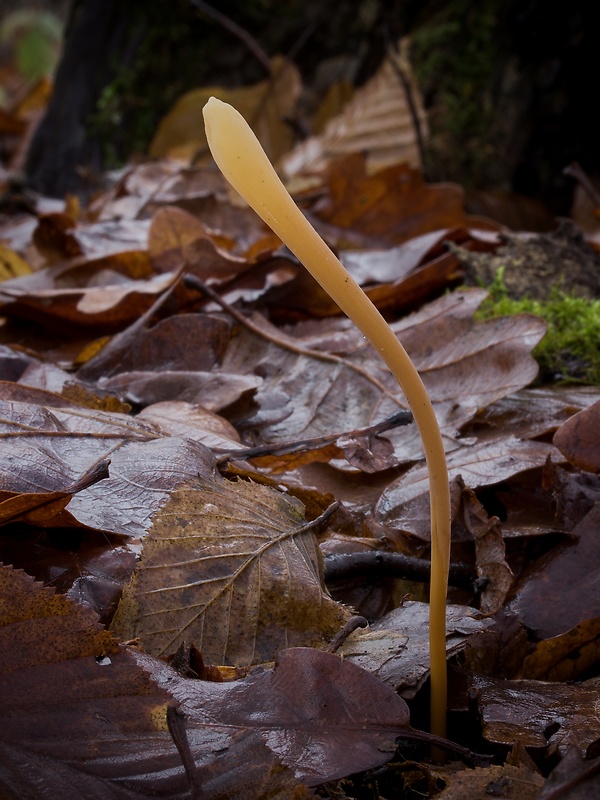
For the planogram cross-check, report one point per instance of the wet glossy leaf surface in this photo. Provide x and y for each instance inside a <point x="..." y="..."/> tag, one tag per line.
<point x="319" y="714"/>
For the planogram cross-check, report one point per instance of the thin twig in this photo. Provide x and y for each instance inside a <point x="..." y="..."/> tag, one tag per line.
<point x="340" y="566"/>
<point x="401" y="417"/>
<point x="237" y="30"/>
<point x="195" y="283"/>
<point x="176" y="726"/>
<point x="575" y="171"/>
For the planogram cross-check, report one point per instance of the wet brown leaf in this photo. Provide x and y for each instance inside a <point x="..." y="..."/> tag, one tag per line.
<point x="185" y="342"/>
<point x="556" y="714"/>
<point x="212" y="390"/>
<point x="233" y="568"/>
<point x="574" y="778"/>
<point x="321" y="715"/>
<point x="46" y="449"/>
<point x="505" y="781"/>
<point x="480" y="465"/>
<point x="177" y="237"/>
<point x="490" y="553"/>
<point x="559" y="590"/>
<point x="578" y="439"/>
<point x="465" y="366"/>
<point x="78" y="715"/>
<point x="396" y="647"/>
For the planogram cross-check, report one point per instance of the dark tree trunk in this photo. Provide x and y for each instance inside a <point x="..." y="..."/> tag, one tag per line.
<point x="62" y="155"/>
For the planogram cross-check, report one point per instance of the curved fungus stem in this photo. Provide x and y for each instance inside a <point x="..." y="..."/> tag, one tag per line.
<point x="240" y="157"/>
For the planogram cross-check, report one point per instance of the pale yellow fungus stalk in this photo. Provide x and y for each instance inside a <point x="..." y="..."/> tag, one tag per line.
<point x="243" y="162"/>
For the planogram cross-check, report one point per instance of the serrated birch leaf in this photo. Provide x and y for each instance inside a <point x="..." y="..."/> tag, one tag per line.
<point x="235" y="569"/>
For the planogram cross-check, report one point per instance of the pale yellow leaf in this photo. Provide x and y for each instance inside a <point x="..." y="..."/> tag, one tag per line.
<point x="265" y="105"/>
<point x="378" y="121"/>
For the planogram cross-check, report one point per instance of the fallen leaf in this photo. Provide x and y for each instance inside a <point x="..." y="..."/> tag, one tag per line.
<point x="11" y="264"/>
<point x="479" y="465"/>
<point x="321" y="715"/>
<point x="265" y="106"/>
<point x="177" y="237"/>
<point x="378" y="121"/>
<point x="48" y="448"/>
<point x="393" y="205"/>
<point x="558" y="715"/>
<point x="578" y="439"/>
<point x="396" y="647"/>
<point x="567" y="657"/>
<point x="558" y="591"/>
<point x="490" y="553"/>
<point x="498" y="780"/>
<point x="573" y="778"/>
<point x="465" y="365"/>
<point x="90" y="295"/>
<point x="233" y="568"/>
<point x="102" y="720"/>
<point x="212" y="390"/>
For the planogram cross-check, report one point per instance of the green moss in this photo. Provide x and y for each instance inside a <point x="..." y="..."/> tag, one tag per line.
<point x="570" y="350"/>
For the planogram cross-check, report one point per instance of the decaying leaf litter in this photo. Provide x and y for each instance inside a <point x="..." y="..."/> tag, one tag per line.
<point x="224" y="450"/>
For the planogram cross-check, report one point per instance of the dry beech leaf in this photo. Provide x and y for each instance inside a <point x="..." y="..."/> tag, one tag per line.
<point x="265" y="106"/>
<point x="378" y="121"/>
<point x="233" y="568"/>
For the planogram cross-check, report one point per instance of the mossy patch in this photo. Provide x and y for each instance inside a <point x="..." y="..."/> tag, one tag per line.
<point x="570" y="351"/>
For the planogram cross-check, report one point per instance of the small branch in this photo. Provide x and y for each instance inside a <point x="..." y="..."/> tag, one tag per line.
<point x="341" y="636"/>
<point x="237" y="30"/>
<point x="339" y="566"/>
<point x="176" y="726"/>
<point x="300" y="445"/>
<point x="195" y="283"/>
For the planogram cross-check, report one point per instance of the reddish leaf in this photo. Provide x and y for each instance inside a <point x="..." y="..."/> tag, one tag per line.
<point x="79" y="718"/>
<point x="321" y="715"/>
<point x="393" y="205"/>
<point x="559" y="590"/>
<point x="578" y="439"/>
